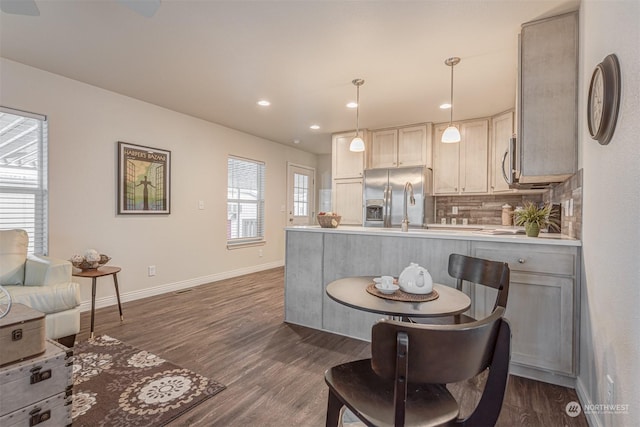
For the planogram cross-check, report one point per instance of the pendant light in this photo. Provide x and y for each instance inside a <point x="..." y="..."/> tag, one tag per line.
<point x="451" y="133"/>
<point x="357" y="144"/>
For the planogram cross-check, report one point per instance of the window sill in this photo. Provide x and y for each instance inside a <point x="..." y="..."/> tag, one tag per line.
<point x="240" y="245"/>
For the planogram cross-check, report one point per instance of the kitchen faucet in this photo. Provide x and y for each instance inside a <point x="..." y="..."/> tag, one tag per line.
<point x="408" y="187"/>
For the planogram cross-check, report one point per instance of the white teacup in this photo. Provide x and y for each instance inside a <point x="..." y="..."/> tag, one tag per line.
<point x="386" y="282"/>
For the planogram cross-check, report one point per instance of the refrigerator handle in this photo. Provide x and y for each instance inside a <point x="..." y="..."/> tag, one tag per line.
<point x="387" y="206"/>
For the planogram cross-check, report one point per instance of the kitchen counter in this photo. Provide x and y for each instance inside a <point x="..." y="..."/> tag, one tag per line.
<point x="478" y="233"/>
<point x="543" y="305"/>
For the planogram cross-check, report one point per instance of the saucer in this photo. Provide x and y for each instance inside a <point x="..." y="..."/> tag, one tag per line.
<point x="387" y="291"/>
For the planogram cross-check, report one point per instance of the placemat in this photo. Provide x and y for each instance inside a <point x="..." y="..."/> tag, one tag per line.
<point x="400" y="295"/>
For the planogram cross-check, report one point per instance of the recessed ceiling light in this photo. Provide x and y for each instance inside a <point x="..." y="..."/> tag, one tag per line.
<point x="314" y="127"/>
<point x="352" y="105"/>
<point x="264" y="103"/>
<point x="445" y="106"/>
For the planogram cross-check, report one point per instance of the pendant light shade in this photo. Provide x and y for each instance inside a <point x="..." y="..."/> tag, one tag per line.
<point x="357" y="144"/>
<point x="451" y="134"/>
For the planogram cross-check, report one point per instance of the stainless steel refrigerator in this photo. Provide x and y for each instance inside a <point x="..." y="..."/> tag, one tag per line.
<point x="384" y="197"/>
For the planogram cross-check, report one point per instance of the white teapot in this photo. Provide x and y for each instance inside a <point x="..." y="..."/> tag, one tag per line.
<point x="415" y="280"/>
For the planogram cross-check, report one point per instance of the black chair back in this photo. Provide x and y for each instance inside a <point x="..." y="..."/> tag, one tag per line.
<point x="494" y="274"/>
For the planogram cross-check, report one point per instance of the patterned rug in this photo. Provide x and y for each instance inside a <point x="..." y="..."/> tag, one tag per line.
<point x="115" y="384"/>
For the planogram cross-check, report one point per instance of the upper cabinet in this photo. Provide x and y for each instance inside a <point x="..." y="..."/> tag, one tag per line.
<point x="462" y="168"/>
<point x="502" y="128"/>
<point x="400" y="147"/>
<point x="548" y="94"/>
<point x="346" y="164"/>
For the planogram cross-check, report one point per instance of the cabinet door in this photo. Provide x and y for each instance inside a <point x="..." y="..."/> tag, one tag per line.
<point x="384" y="149"/>
<point x="347" y="200"/>
<point x="501" y="132"/>
<point x="346" y="164"/>
<point x="540" y="311"/>
<point x="445" y="164"/>
<point x="548" y="114"/>
<point x="474" y="155"/>
<point x="412" y="146"/>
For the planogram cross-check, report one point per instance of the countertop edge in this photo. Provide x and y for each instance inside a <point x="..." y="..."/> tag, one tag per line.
<point x="554" y="239"/>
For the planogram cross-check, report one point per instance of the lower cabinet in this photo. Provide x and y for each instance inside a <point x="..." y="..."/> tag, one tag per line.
<point x="543" y="306"/>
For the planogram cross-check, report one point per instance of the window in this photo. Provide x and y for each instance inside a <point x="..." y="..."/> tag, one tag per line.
<point x="23" y="175"/>
<point x="245" y="201"/>
<point x="300" y="191"/>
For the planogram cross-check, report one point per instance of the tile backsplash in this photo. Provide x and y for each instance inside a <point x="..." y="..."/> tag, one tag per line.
<point x="487" y="210"/>
<point x="569" y="195"/>
<point x="483" y="210"/>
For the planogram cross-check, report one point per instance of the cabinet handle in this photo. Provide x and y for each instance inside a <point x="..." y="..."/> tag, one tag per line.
<point x="521" y="260"/>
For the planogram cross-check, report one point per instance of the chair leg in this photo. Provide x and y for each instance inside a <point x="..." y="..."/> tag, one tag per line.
<point x="333" y="410"/>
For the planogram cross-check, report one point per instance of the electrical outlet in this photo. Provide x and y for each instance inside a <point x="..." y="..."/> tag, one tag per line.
<point x="453" y="221"/>
<point x="454" y="210"/>
<point x="151" y="270"/>
<point x="610" y="390"/>
<point x="443" y="221"/>
<point x="200" y="204"/>
<point x="465" y="221"/>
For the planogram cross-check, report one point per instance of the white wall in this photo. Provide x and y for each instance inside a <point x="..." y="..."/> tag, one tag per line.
<point x="610" y="327"/>
<point x="188" y="247"/>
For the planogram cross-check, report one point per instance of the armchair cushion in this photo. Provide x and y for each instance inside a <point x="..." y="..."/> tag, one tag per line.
<point x="44" y="271"/>
<point x="13" y="253"/>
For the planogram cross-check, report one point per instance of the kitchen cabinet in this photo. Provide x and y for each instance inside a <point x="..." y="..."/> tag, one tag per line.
<point x="543" y="306"/>
<point x="347" y="170"/>
<point x="502" y="127"/>
<point x="347" y="200"/>
<point x="345" y="163"/>
<point x="400" y="147"/>
<point x="462" y="168"/>
<point x="548" y="94"/>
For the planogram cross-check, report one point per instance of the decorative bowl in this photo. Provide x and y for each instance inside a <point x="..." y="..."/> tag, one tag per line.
<point x="91" y="265"/>
<point x="329" y="221"/>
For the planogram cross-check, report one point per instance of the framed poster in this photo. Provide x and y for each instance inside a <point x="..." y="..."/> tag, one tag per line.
<point x="144" y="180"/>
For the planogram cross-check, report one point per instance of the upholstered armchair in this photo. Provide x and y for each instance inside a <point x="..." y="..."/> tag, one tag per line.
<point x="42" y="283"/>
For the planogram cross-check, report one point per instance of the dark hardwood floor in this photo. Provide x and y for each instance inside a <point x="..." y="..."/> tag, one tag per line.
<point x="232" y="331"/>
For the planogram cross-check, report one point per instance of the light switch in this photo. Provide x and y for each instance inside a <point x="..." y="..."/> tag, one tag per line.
<point x="200" y="204"/>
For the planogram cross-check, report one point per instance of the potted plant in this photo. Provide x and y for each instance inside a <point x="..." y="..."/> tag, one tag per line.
<point x="534" y="218"/>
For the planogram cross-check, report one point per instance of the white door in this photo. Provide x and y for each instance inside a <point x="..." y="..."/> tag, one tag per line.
<point x="300" y="194"/>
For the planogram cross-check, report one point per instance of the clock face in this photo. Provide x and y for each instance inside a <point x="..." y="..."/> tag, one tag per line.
<point x="596" y="100"/>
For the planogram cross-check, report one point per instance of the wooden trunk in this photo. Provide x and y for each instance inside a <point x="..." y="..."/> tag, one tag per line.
<point x="39" y="379"/>
<point x="22" y="334"/>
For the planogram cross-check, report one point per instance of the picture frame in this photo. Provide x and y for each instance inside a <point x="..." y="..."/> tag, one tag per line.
<point x="144" y="180"/>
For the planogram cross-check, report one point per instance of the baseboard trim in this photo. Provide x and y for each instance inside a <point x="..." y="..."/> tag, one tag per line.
<point x="592" y="419"/>
<point x="177" y="286"/>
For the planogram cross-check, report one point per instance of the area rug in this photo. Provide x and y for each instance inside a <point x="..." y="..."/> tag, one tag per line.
<point x="115" y="384"/>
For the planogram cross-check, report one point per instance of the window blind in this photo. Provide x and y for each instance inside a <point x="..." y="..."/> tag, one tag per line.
<point x="23" y="175"/>
<point x="245" y="201"/>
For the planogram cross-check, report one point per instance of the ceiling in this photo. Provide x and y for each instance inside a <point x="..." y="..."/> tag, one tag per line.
<point x="215" y="59"/>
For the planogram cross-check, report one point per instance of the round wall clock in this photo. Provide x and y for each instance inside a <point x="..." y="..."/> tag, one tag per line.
<point x="604" y="99"/>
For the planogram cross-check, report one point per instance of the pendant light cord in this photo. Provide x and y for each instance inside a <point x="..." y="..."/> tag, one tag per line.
<point x="451" y="98"/>
<point x="357" y="110"/>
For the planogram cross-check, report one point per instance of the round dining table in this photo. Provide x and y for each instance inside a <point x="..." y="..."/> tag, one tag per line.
<point x="352" y="292"/>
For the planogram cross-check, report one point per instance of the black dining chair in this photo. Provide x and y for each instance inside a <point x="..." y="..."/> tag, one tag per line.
<point x="404" y="382"/>
<point x="477" y="271"/>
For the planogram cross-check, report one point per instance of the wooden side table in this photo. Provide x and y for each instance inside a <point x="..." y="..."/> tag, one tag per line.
<point x="94" y="274"/>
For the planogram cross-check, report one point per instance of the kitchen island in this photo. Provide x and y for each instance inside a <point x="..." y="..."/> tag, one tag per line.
<point x="543" y="305"/>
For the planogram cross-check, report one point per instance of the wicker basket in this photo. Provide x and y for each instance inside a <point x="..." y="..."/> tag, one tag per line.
<point x="329" y="221"/>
